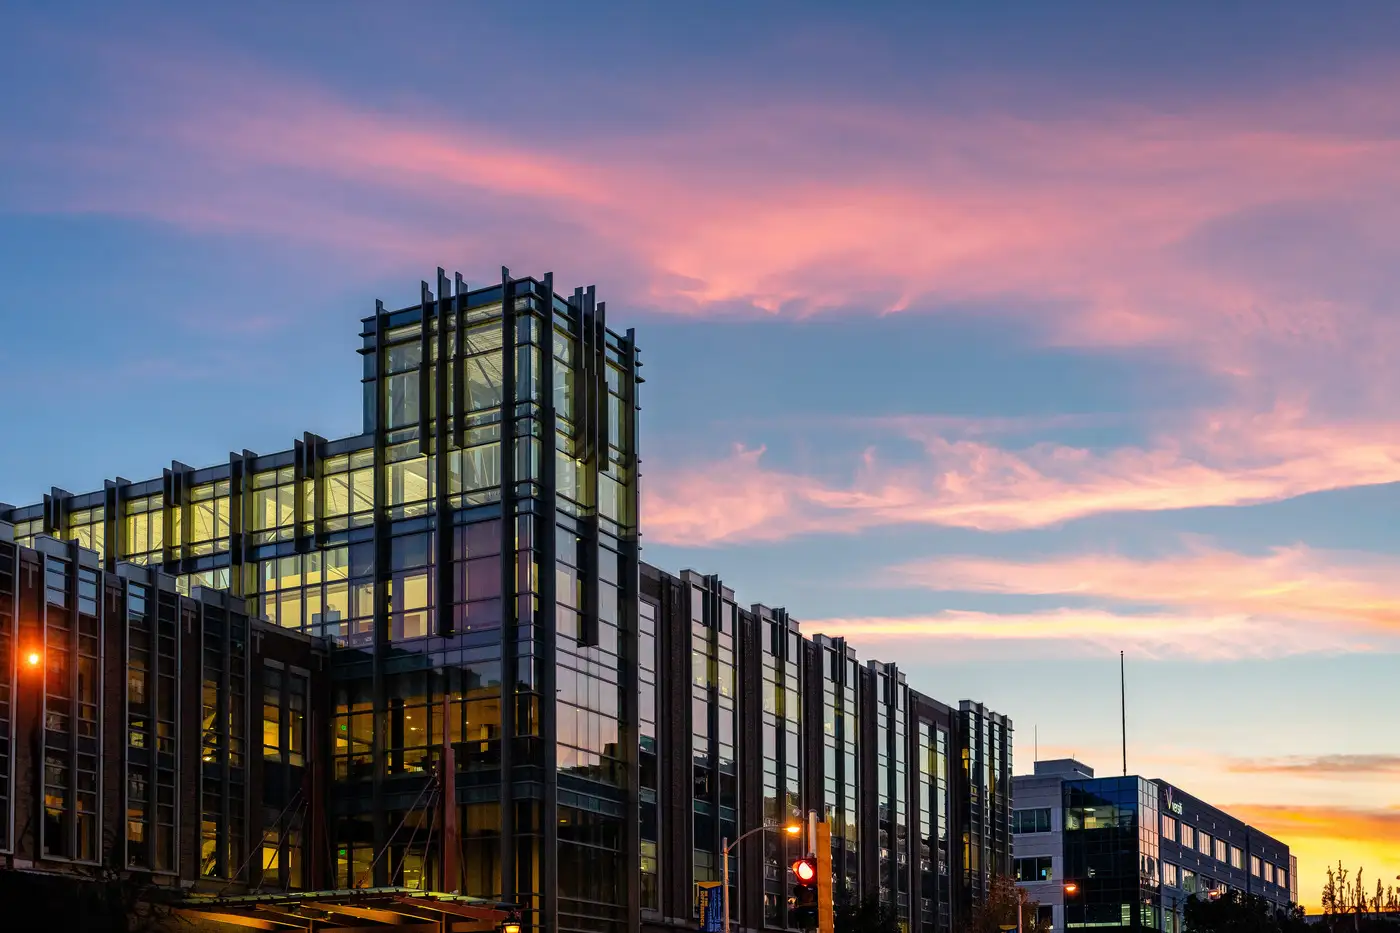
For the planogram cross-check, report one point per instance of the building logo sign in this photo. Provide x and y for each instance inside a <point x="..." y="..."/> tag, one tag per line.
<point x="1172" y="805"/>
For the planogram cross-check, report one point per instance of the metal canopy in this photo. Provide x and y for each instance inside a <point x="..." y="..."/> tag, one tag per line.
<point x="352" y="910"/>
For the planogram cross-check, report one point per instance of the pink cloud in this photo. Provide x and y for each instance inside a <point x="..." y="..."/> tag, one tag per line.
<point x="1287" y="585"/>
<point x="953" y="635"/>
<point x="1218" y="459"/>
<point x="1074" y="223"/>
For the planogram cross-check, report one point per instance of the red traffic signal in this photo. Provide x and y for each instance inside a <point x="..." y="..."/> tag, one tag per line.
<point x="805" y="870"/>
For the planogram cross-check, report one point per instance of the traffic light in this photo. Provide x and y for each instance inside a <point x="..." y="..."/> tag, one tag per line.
<point x="804" y="905"/>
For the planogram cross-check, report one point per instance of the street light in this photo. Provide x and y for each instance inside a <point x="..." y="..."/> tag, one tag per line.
<point x="1071" y="888"/>
<point x="792" y="829"/>
<point x="32" y="659"/>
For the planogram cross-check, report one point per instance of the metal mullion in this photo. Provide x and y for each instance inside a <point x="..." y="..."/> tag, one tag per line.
<point x="224" y="710"/>
<point x="424" y="355"/>
<point x="125" y="588"/>
<point x="299" y="475"/>
<point x="509" y="563"/>
<point x="175" y="740"/>
<point x="9" y="840"/>
<point x="380" y="622"/>
<point x="75" y="655"/>
<point x="547" y="634"/>
<point x="41" y="726"/>
<point x="459" y="391"/>
<point x="443" y="525"/>
<point x="629" y="666"/>
<point x="101" y="678"/>
<point x="168" y="499"/>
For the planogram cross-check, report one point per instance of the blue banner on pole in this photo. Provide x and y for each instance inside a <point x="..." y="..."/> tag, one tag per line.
<point x="710" y="901"/>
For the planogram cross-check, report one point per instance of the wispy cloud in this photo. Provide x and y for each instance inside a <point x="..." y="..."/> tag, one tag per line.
<point x="959" y="635"/>
<point x="1297" y="583"/>
<point x="1321" y="767"/>
<point x="1108" y="228"/>
<point x="1218" y="459"/>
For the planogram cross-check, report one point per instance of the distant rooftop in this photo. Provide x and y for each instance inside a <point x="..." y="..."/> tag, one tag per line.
<point x="1063" y="767"/>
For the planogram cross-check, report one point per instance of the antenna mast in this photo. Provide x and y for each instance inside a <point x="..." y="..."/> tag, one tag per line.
<point x="1123" y="705"/>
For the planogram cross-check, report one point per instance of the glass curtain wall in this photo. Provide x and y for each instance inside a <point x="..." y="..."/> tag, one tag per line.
<point x="782" y="760"/>
<point x="417" y="547"/>
<point x="1111" y="852"/>
<point x="892" y="697"/>
<point x="934" y="807"/>
<point x="840" y="775"/>
<point x="715" y="802"/>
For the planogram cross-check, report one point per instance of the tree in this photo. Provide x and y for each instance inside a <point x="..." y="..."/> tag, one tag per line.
<point x="999" y="909"/>
<point x="1347" y="907"/>
<point x="1235" y="912"/>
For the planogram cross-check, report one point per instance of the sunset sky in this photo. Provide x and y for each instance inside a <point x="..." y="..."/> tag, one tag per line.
<point x="996" y="339"/>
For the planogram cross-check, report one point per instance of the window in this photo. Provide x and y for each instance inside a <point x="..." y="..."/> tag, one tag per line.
<point x="1268" y="872"/>
<point x="209" y="518"/>
<point x="274" y="506"/>
<point x="1236" y="857"/>
<point x="1031" y="821"/>
<point x="1188" y="836"/>
<point x="1254" y="868"/>
<point x="144" y="530"/>
<point x="1034" y="869"/>
<point x="1168" y="828"/>
<point x="1203" y="842"/>
<point x="1281" y="877"/>
<point x="1188" y="881"/>
<point x="1171" y="875"/>
<point x="1222" y="851"/>
<point x="87" y="527"/>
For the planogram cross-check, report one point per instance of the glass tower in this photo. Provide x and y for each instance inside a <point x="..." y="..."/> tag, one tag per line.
<point x="1111" y="848"/>
<point x="474" y="553"/>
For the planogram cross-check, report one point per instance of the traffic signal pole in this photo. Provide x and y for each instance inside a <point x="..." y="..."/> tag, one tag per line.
<point x="826" y="915"/>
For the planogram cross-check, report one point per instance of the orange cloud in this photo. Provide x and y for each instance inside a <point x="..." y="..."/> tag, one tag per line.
<point x="1318" y="836"/>
<point x="1222" y="459"/>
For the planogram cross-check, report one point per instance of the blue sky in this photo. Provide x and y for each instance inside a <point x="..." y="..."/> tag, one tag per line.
<point x="997" y="341"/>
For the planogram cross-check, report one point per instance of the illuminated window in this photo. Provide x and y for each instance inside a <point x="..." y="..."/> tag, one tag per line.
<point x="209" y="521"/>
<point x="88" y="529"/>
<point x="144" y="530"/>
<point x="273" y="510"/>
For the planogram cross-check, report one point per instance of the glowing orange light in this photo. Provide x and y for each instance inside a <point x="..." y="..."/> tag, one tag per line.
<point x="32" y="658"/>
<point x="1071" y="888"/>
<point x="804" y="870"/>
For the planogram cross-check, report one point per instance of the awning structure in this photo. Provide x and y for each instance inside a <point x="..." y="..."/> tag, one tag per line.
<point x="352" y="910"/>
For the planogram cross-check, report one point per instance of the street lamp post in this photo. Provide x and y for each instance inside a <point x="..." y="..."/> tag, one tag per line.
<point x="725" y="845"/>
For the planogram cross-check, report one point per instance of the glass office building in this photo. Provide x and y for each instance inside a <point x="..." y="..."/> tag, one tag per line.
<point x="1135" y="849"/>
<point x="1111" y="842"/>
<point x="131" y="732"/>
<point x="467" y="568"/>
<point x="818" y="731"/>
<point x="444" y="570"/>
